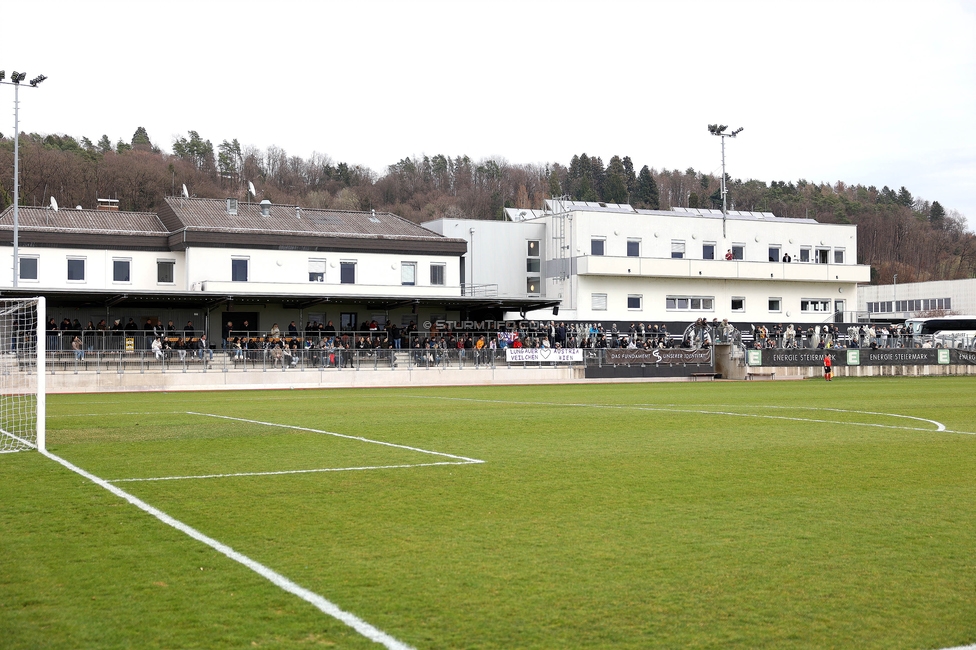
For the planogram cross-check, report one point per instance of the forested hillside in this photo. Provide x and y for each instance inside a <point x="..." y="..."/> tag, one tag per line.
<point x="897" y="233"/>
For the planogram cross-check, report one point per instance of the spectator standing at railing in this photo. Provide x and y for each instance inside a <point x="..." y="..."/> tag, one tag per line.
<point x="188" y="328"/>
<point x="76" y="345"/>
<point x="225" y="335"/>
<point x="203" y="348"/>
<point x="275" y="332"/>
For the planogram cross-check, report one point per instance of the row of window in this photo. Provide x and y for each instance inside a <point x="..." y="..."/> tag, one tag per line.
<point x="122" y="270"/>
<point x="77" y="269"/>
<point x="738" y="251"/>
<point x="925" y="304"/>
<point x="635" y="302"/>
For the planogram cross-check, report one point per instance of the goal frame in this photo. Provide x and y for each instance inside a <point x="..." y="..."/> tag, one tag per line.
<point x="37" y="388"/>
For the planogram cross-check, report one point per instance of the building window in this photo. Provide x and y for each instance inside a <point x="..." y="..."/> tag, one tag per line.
<point x="823" y="255"/>
<point x="814" y="305"/>
<point x="708" y="251"/>
<point x="635" y="302"/>
<point x="533" y="265"/>
<point x="437" y="274"/>
<point x="347" y="272"/>
<point x="838" y="256"/>
<point x="533" y="285"/>
<point x="677" y="249"/>
<point x="28" y="268"/>
<point x="238" y="270"/>
<point x="597" y="246"/>
<point x="804" y="254"/>
<point x="408" y="273"/>
<point x="775" y="304"/>
<point x="76" y="269"/>
<point x="165" y="271"/>
<point x="689" y="303"/>
<point x="738" y="251"/>
<point x="348" y="321"/>
<point x="598" y="301"/>
<point x="738" y="303"/>
<point x="774" y="254"/>
<point x="633" y="247"/>
<point x="533" y="249"/>
<point x="120" y="271"/>
<point x="316" y="270"/>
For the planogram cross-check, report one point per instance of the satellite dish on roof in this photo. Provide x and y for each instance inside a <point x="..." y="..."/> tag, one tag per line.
<point x="54" y="204"/>
<point x="186" y="194"/>
<point x="250" y="189"/>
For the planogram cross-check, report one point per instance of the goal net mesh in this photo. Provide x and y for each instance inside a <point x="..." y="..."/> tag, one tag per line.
<point x="19" y="373"/>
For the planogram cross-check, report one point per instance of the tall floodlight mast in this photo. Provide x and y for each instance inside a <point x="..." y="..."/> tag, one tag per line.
<point x="15" y="80"/>
<point x="719" y="130"/>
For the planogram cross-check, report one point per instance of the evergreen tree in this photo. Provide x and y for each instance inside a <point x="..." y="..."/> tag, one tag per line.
<point x="905" y="197"/>
<point x="646" y="191"/>
<point x="104" y="144"/>
<point x="630" y="175"/>
<point x="615" y="182"/>
<point x="937" y="215"/>
<point x="140" y="140"/>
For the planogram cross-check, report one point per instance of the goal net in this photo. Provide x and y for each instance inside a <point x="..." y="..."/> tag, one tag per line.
<point x="22" y="345"/>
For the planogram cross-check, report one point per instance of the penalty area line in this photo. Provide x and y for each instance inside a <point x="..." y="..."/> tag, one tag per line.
<point x="339" y="435"/>
<point x="322" y="604"/>
<point x="290" y="471"/>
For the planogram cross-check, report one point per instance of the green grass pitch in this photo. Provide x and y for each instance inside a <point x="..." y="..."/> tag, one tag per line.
<point x="715" y="515"/>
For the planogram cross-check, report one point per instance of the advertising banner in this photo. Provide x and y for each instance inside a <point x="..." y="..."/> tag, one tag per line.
<point x="624" y="356"/>
<point x="551" y="355"/>
<point x="861" y="357"/>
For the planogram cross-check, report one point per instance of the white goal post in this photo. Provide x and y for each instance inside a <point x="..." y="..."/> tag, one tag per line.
<point x="22" y="373"/>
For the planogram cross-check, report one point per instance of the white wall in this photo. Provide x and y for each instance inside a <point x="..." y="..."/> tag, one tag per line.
<point x="497" y="251"/>
<point x="287" y="272"/>
<point x="657" y="232"/>
<point x="961" y="292"/>
<point x="52" y="269"/>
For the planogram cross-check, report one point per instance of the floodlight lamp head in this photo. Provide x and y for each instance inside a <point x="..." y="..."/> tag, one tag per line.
<point x="3" y="74"/>
<point x="17" y="77"/>
<point x="736" y="132"/>
<point x="36" y="80"/>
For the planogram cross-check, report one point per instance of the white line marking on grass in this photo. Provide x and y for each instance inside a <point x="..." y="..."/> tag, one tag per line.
<point x="940" y="427"/>
<point x="99" y="415"/>
<point x="962" y="647"/>
<point x="290" y="471"/>
<point x="339" y="435"/>
<point x="327" y="607"/>
<point x="458" y="460"/>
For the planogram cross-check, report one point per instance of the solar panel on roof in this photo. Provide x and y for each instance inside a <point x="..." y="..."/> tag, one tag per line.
<point x="326" y="220"/>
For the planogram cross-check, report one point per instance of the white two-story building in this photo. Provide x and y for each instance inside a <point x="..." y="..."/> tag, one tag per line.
<point x="209" y="261"/>
<point x="607" y="262"/>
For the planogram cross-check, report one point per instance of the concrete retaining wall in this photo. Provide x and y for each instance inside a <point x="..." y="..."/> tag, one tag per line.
<point x="90" y="382"/>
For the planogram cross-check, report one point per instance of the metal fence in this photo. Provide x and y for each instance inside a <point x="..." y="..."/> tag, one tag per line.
<point x="304" y="360"/>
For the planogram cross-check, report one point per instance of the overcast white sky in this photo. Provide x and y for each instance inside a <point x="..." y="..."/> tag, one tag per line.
<point x="878" y="93"/>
